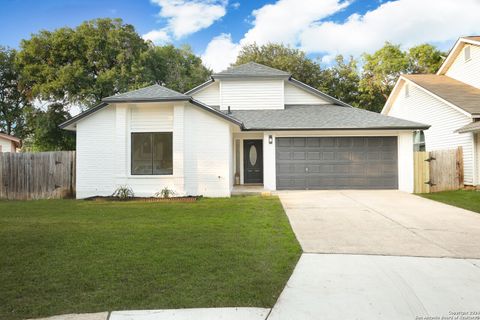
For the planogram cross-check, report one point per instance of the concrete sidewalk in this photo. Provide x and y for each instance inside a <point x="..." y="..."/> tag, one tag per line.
<point x="337" y="286"/>
<point x="172" y="314"/>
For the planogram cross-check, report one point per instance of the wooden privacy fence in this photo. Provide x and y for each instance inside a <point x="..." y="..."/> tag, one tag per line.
<point x="42" y="175"/>
<point x="438" y="170"/>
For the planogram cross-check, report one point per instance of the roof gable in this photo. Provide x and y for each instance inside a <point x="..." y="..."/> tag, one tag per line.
<point x="251" y="69"/>
<point x="457" y="94"/>
<point x="154" y="92"/>
<point x="456" y="50"/>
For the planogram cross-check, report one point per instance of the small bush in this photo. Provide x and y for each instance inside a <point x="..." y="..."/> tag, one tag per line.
<point x="165" y="193"/>
<point x="123" y="192"/>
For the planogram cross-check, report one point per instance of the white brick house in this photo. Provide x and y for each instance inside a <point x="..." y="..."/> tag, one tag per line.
<point x="250" y="124"/>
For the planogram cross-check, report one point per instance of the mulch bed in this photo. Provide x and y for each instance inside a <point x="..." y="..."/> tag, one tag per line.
<point x="145" y="199"/>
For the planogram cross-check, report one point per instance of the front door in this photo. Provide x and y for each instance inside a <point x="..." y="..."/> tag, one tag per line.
<point x="253" y="161"/>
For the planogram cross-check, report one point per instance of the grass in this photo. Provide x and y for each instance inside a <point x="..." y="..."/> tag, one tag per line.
<point x="71" y="256"/>
<point x="466" y="199"/>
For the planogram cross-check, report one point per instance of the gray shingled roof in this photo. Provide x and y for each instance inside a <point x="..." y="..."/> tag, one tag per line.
<point x="155" y="92"/>
<point x="320" y="117"/>
<point x="251" y="69"/>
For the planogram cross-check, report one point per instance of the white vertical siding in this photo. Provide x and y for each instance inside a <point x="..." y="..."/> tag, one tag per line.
<point x="96" y="154"/>
<point x="208" y="152"/>
<point x="209" y="95"/>
<point x="151" y="117"/>
<point x="251" y="94"/>
<point x="466" y="71"/>
<point x="444" y="120"/>
<point x="294" y="95"/>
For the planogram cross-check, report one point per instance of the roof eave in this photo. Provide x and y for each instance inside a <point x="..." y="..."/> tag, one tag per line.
<point x="339" y="129"/>
<point x="217" y="112"/>
<point x="247" y="76"/>
<point x="200" y="87"/>
<point x="120" y="100"/>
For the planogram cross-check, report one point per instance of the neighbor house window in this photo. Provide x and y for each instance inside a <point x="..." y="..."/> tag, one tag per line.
<point x="152" y="153"/>
<point x="419" y="141"/>
<point x="466" y="53"/>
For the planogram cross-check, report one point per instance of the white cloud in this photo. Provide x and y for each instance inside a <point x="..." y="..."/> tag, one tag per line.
<point x="282" y="21"/>
<point x="185" y="17"/>
<point x="220" y="52"/>
<point x="279" y="22"/>
<point x="236" y="5"/>
<point x="405" y="22"/>
<point x="157" y="36"/>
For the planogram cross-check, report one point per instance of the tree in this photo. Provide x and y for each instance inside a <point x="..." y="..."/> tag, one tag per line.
<point x="424" y="58"/>
<point x="380" y="72"/>
<point x="382" y="69"/>
<point x="341" y="80"/>
<point x="83" y="65"/>
<point x="176" y="68"/>
<point x="47" y="136"/>
<point x="13" y="98"/>
<point x="284" y="58"/>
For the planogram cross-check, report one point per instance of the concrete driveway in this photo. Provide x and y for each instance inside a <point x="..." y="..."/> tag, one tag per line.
<point x="383" y="222"/>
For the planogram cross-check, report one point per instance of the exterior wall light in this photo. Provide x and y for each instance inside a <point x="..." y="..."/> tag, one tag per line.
<point x="270" y="139"/>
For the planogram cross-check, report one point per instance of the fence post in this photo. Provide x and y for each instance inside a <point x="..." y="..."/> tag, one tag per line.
<point x="459" y="166"/>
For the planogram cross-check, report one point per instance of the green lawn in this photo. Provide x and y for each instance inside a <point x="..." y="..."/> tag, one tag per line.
<point x="467" y="199"/>
<point x="69" y="256"/>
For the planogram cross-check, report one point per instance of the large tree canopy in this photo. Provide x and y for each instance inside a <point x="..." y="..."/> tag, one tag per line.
<point x="14" y="105"/>
<point x="47" y="136"/>
<point x="382" y="69"/>
<point x="284" y="58"/>
<point x="82" y="65"/>
<point x="176" y="68"/>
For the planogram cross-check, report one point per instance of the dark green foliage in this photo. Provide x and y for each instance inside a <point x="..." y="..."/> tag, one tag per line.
<point x="81" y="66"/>
<point x="176" y="68"/>
<point x="284" y="58"/>
<point x="47" y="136"/>
<point x="14" y="105"/>
<point x="73" y="256"/>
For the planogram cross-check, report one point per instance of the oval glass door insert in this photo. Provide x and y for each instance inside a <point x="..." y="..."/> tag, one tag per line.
<point x="252" y="155"/>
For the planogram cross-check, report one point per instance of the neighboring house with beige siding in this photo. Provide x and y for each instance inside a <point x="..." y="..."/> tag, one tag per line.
<point x="9" y="143"/>
<point x="449" y="101"/>
<point x="250" y="124"/>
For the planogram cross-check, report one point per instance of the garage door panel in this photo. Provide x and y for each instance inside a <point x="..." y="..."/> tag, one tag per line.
<point x="337" y="163"/>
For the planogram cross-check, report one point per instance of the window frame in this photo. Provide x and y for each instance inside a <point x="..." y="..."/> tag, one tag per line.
<point x="152" y="175"/>
<point x="419" y="144"/>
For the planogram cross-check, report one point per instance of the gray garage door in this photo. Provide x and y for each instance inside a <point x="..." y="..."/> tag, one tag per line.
<point x="336" y="163"/>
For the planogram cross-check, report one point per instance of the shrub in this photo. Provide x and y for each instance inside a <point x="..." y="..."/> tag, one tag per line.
<point x="123" y="192"/>
<point x="165" y="193"/>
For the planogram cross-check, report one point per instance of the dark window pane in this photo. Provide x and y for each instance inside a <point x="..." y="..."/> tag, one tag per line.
<point x="142" y="153"/>
<point x="162" y="153"/>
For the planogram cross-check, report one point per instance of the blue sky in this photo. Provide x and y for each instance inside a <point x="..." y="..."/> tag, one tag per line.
<point x="216" y="29"/>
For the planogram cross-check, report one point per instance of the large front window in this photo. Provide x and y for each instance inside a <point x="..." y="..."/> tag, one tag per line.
<point x="152" y="153"/>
